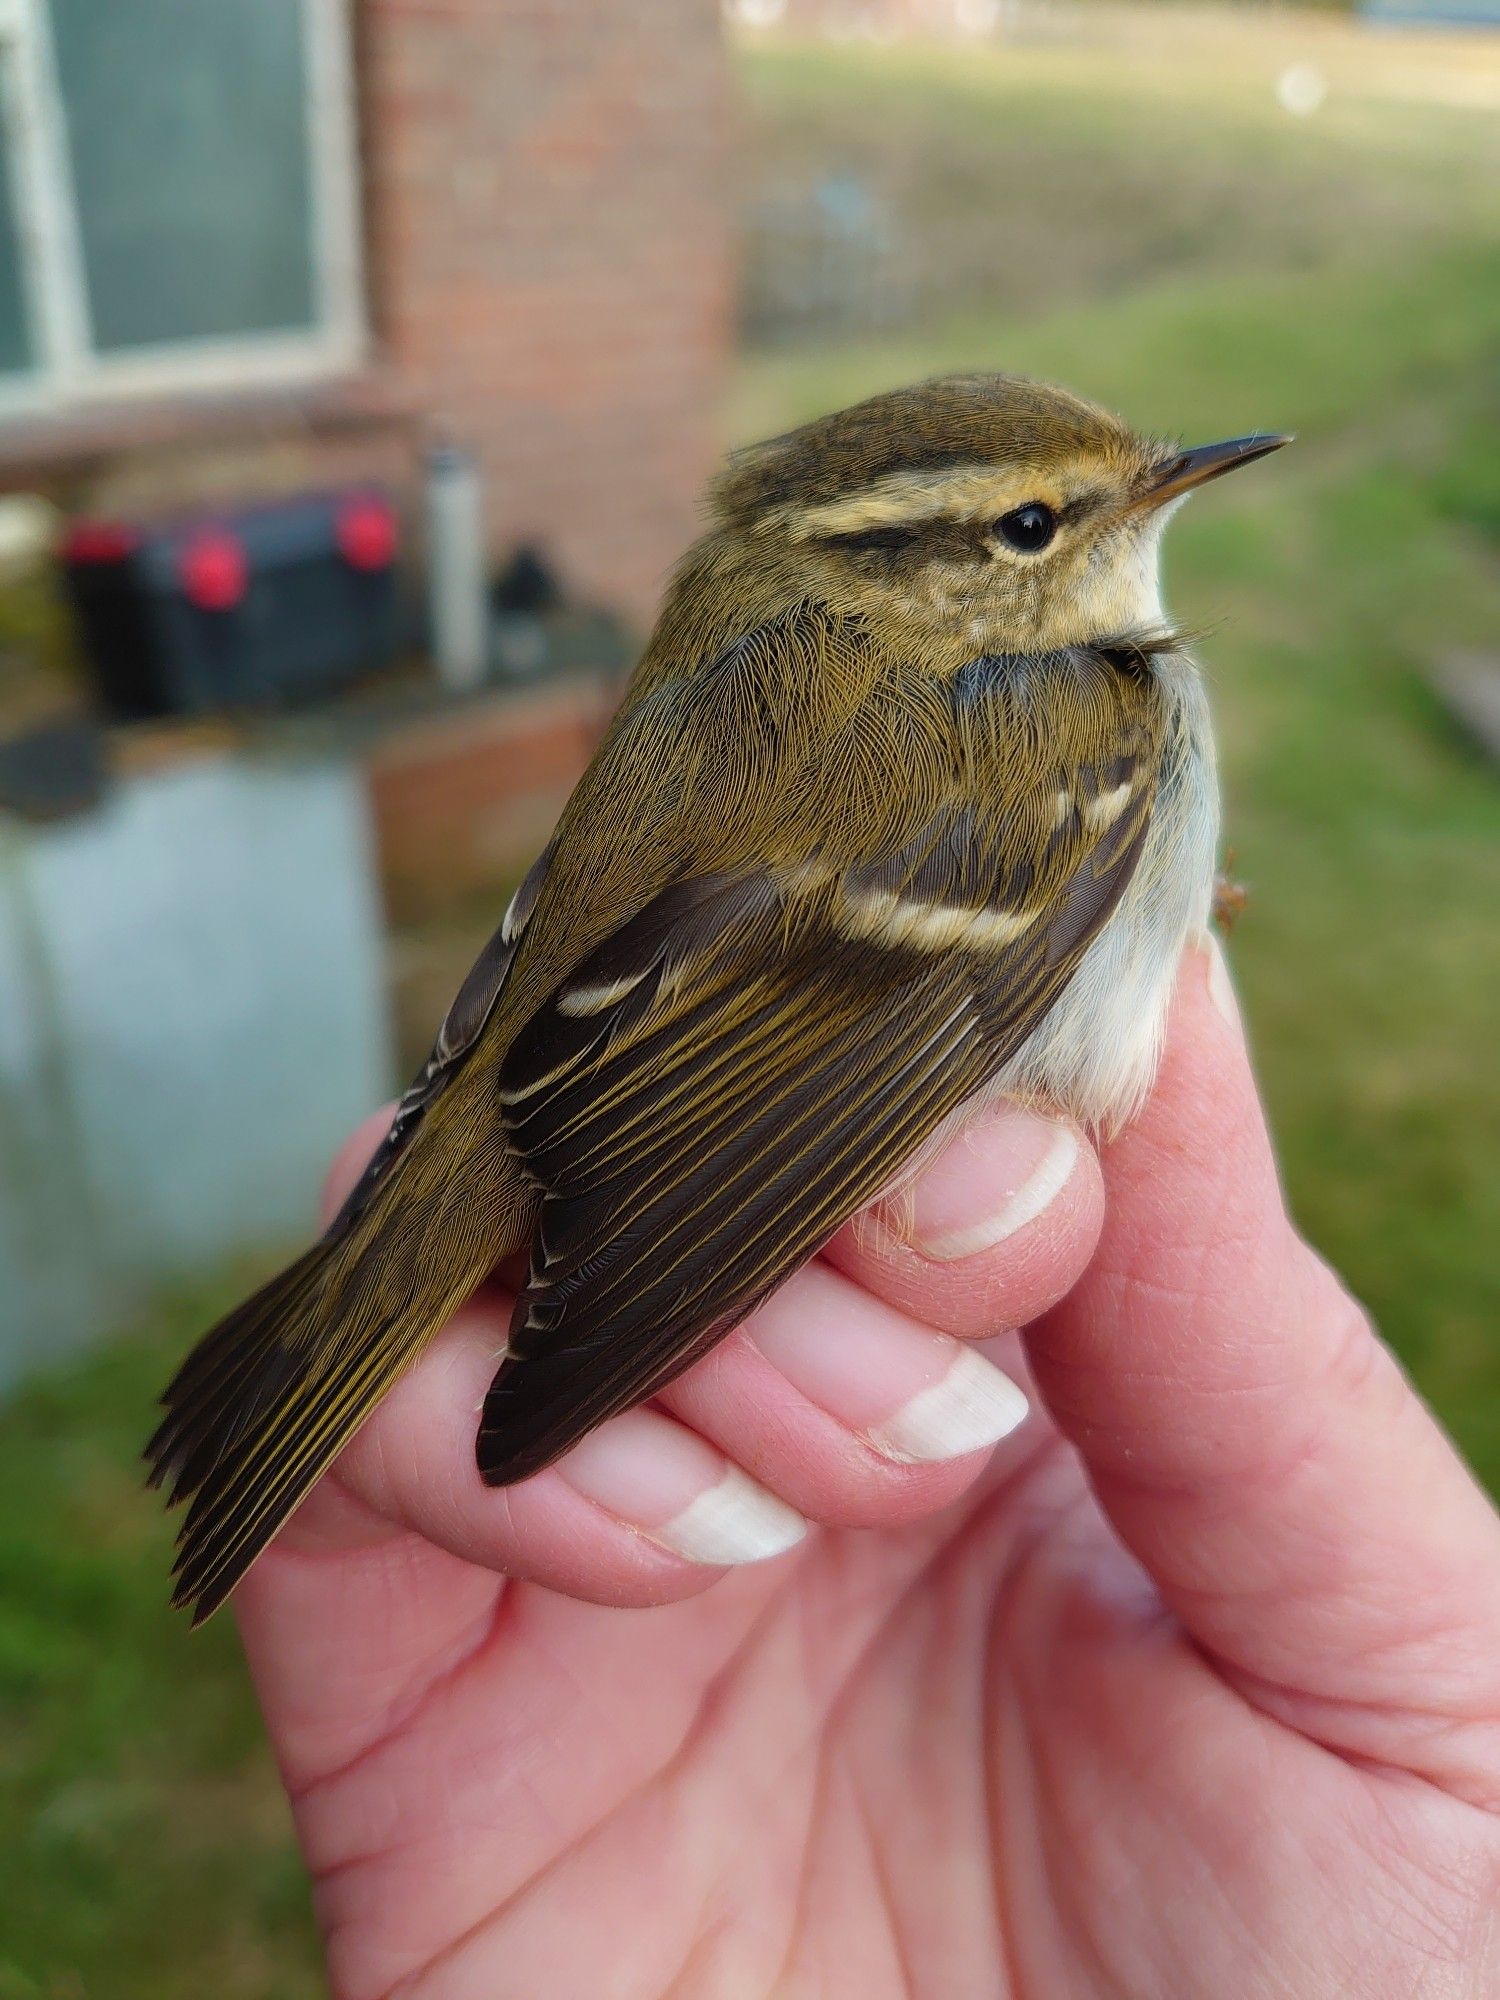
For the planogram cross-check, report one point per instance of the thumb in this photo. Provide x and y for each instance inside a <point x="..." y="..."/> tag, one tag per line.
<point x="1255" y="1445"/>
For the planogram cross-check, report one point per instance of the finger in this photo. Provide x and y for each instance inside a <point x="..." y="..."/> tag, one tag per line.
<point x="850" y="1410"/>
<point x="841" y="1394"/>
<point x="861" y="1417"/>
<point x="1257" y="1447"/>
<point x="994" y="1230"/>
<point x="834" y="1402"/>
<point x="642" y="1511"/>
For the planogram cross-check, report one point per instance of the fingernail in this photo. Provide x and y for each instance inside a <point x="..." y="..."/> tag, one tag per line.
<point x="908" y="1392"/>
<point x="973" y="1406"/>
<point x="1220" y="985"/>
<point x="666" y="1483"/>
<point x="994" y="1179"/>
<point x="735" y="1521"/>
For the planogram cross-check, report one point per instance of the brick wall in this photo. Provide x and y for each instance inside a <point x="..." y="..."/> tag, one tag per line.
<point x="548" y="258"/>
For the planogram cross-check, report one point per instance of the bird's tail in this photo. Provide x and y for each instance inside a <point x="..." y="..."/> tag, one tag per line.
<point x="269" y="1396"/>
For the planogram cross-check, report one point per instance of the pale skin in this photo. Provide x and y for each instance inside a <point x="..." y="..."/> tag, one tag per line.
<point x="1189" y="1687"/>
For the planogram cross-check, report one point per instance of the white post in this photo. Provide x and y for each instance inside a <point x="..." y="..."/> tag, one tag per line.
<point x="456" y="568"/>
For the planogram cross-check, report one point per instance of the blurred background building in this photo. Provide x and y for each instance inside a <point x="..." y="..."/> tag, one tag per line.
<point x="360" y="364"/>
<point x="260" y="243"/>
<point x="254" y="253"/>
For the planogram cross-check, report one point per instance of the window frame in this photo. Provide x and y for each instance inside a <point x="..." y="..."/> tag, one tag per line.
<point x="67" y="374"/>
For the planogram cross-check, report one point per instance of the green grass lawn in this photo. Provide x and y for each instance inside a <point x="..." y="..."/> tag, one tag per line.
<point x="147" y="1855"/>
<point x="146" y="1841"/>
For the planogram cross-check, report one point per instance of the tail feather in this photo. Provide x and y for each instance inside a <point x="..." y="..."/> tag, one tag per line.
<point x="237" y="1369"/>
<point x="270" y="1395"/>
<point x="251" y="1491"/>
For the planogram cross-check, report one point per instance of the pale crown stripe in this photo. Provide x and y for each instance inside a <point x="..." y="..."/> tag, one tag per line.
<point x="966" y="491"/>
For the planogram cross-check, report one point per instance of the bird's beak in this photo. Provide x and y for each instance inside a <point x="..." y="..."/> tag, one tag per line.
<point x="1186" y="469"/>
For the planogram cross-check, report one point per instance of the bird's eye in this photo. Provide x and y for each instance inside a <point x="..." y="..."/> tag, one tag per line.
<point x="1027" y="528"/>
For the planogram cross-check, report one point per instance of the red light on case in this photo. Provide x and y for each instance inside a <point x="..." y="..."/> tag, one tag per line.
<point x="367" y="534"/>
<point x="215" y="574"/>
<point x="98" y="542"/>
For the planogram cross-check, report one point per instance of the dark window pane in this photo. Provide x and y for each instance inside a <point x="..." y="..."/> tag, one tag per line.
<point x="187" y="135"/>
<point x="15" y="328"/>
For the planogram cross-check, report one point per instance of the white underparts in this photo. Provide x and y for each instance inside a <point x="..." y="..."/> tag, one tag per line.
<point x="1095" y="1052"/>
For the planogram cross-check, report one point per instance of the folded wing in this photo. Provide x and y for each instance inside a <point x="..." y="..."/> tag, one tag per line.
<point x="749" y="1060"/>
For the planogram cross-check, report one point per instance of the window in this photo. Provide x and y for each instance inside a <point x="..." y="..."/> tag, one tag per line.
<point x="177" y="202"/>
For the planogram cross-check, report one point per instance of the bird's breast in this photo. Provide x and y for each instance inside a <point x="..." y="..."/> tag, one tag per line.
<point x="1095" y="1052"/>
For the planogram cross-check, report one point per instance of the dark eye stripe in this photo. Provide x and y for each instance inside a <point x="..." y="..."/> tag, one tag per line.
<point x="1087" y="502"/>
<point x="899" y="535"/>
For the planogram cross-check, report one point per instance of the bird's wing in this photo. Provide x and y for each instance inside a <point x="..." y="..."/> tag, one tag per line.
<point x="714" y="1088"/>
<point x="467" y="1016"/>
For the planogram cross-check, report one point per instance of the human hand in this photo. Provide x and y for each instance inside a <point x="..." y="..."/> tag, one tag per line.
<point x="1190" y="1687"/>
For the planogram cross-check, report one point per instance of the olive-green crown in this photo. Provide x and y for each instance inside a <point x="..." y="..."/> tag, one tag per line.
<point x="953" y="420"/>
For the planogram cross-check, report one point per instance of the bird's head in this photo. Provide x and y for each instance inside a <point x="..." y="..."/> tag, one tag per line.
<point x="1002" y="513"/>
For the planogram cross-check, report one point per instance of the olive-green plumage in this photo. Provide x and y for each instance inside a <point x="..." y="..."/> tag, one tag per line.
<point x="910" y="797"/>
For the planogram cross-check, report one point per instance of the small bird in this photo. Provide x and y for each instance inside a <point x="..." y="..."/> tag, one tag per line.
<point x="911" y="800"/>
